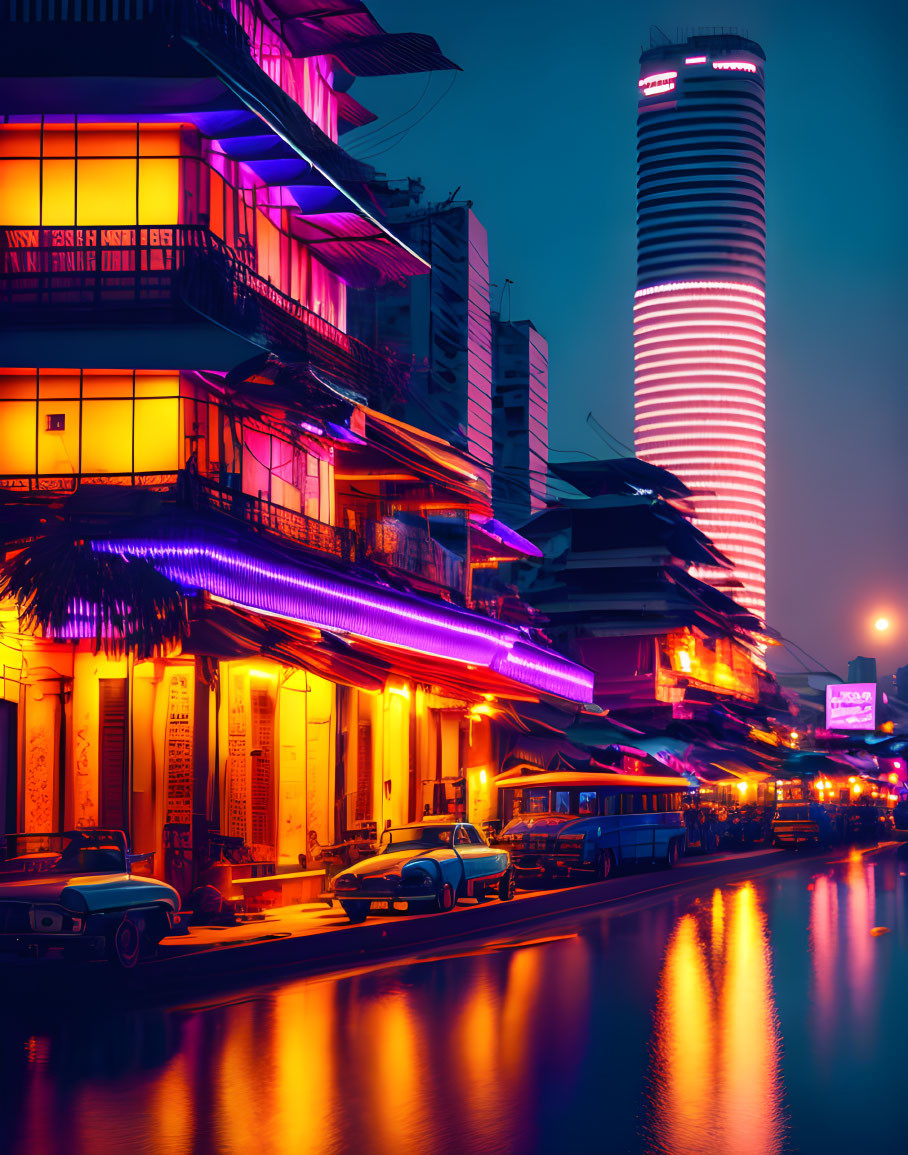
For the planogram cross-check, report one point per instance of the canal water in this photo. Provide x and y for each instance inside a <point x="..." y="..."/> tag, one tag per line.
<point x="739" y="1019"/>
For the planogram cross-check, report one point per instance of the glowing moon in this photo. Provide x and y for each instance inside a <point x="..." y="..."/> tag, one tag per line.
<point x="881" y="624"/>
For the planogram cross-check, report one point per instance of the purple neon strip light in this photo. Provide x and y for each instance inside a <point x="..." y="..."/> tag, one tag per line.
<point x="344" y="604"/>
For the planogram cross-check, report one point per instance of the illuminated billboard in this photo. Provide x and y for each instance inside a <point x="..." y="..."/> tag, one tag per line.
<point x="851" y="706"/>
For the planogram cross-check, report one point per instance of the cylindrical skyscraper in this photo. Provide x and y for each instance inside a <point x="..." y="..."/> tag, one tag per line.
<point x="699" y="309"/>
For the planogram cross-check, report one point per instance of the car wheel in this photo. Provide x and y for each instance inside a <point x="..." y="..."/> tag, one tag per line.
<point x="446" y="897"/>
<point x="507" y="885"/>
<point x="674" y="853"/>
<point x="479" y="892"/>
<point x="356" y="911"/>
<point x="124" y="944"/>
<point x="603" y="865"/>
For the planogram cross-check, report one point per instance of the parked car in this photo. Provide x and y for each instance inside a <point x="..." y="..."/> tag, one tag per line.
<point x="428" y="866"/>
<point x="812" y="823"/>
<point x="74" y="892"/>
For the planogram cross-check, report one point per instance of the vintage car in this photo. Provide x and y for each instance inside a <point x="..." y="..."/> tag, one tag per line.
<point x="428" y="866"/>
<point x="74" y="893"/>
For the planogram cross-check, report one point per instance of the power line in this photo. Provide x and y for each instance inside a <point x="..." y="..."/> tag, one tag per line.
<point x="607" y="437"/>
<point x="403" y="132"/>
<point x="381" y="128"/>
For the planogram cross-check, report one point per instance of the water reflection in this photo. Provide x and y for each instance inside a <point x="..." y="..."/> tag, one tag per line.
<point x="716" y="1078"/>
<point x="650" y="1029"/>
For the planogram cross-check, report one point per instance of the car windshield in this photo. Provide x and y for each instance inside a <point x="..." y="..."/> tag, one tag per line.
<point x="419" y="837"/>
<point x="72" y="852"/>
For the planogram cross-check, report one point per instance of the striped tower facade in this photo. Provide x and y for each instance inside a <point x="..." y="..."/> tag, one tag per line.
<point x="699" y="309"/>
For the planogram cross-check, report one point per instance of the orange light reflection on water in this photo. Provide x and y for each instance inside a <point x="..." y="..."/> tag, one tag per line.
<point x="859" y="881"/>
<point x="716" y="1069"/>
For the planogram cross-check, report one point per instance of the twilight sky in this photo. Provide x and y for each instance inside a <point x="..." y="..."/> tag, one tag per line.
<point x="539" y="132"/>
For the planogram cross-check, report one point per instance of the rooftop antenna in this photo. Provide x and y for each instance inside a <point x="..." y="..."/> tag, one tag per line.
<point x="507" y="285"/>
<point x="657" y="38"/>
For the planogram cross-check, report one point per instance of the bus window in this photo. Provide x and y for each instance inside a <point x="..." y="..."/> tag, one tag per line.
<point x="535" y="802"/>
<point x="587" y="802"/>
<point x="562" y="801"/>
<point x="608" y="803"/>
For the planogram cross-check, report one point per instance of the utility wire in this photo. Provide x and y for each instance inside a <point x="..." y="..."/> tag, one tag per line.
<point x="404" y="131"/>
<point x="607" y="437"/>
<point x="378" y="129"/>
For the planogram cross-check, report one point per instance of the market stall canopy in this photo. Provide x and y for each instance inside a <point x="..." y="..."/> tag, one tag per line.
<point x="533" y="752"/>
<point x="447" y="477"/>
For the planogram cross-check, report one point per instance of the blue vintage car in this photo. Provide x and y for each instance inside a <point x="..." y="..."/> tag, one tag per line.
<point x="580" y="827"/>
<point x="74" y="894"/>
<point x="428" y="866"/>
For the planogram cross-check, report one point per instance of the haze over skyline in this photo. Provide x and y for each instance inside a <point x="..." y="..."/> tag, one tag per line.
<point x="539" y="132"/>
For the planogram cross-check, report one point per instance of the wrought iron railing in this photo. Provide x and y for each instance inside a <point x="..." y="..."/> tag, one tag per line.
<point x="82" y="268"/>
<point x="391" y="542"/>
<point x="386" y="542"/>
<point x="190" y="490"/>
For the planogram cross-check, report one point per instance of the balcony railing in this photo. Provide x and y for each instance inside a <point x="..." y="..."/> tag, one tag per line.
<point x="189" y="491"/>
<point x="390" y="542"/>
<point x="50" y="269"/>
<point x="385" y="542"/>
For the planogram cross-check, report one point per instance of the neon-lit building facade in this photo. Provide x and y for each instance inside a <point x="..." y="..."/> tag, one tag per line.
<point x="181" y="397"/>
<point x="699" y="309"/>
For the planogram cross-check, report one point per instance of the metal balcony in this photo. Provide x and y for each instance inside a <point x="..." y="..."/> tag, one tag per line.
<point x="86" y="279"/>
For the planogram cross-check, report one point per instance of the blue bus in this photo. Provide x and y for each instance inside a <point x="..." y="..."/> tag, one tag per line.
<point x="581" y="827"/>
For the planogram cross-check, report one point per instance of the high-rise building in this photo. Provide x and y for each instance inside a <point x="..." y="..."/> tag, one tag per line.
<point x="699" y="311"/>
<point x="443" y="325"/>
<point x="520" y="399"/>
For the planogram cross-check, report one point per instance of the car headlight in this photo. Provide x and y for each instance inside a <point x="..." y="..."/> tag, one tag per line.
<point x="51" y="920"/>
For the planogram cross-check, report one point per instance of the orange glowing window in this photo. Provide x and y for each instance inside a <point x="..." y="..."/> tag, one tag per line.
<point x="104" y="423"/>
<point x="20" y="182"/>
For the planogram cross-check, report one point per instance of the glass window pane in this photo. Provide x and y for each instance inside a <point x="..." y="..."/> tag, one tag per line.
<point x="19" y="193"/>
<point x="106" y="193"/>
<point x="157" y="435"/>
<point x="17" y="436"/>
<point x="58" y="449"/>
<point x="107" y="436"/>
<point x="159" y="192"/>
<point x="58" y="193"/>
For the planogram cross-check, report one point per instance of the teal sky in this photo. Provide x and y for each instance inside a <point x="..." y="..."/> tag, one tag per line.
<point x="539" y="132"/>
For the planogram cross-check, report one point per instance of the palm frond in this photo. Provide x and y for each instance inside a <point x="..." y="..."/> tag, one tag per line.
<point x="59" y="582"/>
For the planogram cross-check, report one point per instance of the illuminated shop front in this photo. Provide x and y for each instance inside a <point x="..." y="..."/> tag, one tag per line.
<point x="240" y="621"/>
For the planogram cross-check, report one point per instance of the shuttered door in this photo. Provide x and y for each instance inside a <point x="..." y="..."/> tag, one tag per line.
<point x="364" y="773"/>
<point x="112" y="752"/>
